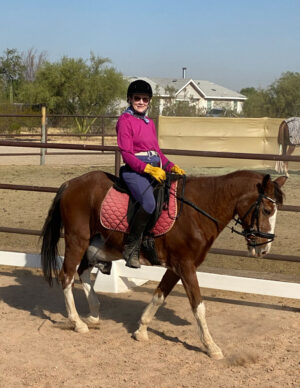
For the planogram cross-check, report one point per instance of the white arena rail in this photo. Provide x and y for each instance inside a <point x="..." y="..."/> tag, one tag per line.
<point x="123" y="279"/>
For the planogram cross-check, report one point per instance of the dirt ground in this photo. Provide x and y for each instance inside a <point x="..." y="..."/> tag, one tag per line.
<point x="259" y="335"/>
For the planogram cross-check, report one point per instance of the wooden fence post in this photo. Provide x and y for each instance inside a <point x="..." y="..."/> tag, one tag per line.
<point x="43" y="137"/>
<point x="117" y="162"/>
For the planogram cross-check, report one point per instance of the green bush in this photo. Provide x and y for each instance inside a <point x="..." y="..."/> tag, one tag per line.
<point x="10" y="125"/>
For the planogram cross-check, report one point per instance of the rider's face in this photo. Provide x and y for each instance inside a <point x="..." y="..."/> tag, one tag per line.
<point x="140" y="102"/>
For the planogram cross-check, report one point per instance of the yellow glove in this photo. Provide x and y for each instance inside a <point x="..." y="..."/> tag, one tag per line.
<point x="177" y="170"/>
<point x="157" y="172"/>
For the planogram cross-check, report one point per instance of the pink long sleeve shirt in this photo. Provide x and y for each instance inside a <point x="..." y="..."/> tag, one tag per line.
<point x="135" y="135"/>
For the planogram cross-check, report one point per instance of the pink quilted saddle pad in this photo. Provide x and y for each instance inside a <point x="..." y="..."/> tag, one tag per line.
<point x="113" y="212"/>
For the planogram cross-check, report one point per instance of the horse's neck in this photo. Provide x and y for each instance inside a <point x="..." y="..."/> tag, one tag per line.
<point x="227" y="193"/>
<point x="224" y="195"/>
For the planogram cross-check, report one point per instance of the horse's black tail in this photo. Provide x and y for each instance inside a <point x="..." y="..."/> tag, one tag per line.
<point x="50" y="237"/>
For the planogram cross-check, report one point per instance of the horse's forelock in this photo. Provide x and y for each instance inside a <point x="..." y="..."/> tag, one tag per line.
<point x="278" y="193"/>
<point x="262" y="187"/>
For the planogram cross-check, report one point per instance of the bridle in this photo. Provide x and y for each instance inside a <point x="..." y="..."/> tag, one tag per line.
<point x="250" y="232"/>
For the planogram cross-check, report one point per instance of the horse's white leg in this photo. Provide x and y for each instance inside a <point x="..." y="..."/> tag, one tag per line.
<point x="212" y="349"/>
<point x="141" y="333"/>
<point x="91" y="296"/>
<point x="190" y="283"/>
<point x="289" y="151"/>
<point x="280" y="165"/>
<point x="73" y="316"/>
<point x="162" y="291"/>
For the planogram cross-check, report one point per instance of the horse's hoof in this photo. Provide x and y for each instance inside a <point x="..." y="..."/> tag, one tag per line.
<point x="81" y="329"/>
<point x="216" y="355"/>
<point x="140" y="335"/>
<point x="91" y="319"/>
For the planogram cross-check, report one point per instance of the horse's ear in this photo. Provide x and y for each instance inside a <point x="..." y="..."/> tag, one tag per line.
<point x="281" y="180"/>
<point x="262" y="186"/>
<point x="265" y="180"/>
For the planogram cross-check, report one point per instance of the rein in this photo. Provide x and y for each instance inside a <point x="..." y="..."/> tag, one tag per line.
<point x="249" y="232"/>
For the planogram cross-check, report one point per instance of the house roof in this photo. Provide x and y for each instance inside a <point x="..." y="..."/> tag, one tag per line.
<point x="207" y="89"/>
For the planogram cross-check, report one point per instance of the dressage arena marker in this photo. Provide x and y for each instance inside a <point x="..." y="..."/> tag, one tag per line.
<point x="123" y="279"/>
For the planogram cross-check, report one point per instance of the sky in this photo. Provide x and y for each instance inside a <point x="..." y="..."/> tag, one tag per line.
<point x="234" y="43"/>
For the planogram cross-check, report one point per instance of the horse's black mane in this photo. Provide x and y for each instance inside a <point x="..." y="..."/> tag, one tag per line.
<point x="278" y="194"/>
<point x="111" y="177"/>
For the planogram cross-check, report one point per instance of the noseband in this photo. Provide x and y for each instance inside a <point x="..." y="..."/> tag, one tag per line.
<point x="249" y="231"/>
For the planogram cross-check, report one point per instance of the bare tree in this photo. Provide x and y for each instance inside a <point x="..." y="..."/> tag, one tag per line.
<point x="32" y="61"/>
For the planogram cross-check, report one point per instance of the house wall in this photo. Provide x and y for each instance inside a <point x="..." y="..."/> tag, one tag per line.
<point x="240" y="106"/>
<point x="201" y="103"/>
<point x="188" y="93"/>
<point x="233" y="105"/>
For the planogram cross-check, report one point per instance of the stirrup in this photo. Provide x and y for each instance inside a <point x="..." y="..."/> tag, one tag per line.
<point x="104" y="267"/>
<point x="133" y="262"/>
<point x="131" y="254"/>
<point x="149" y="251"/>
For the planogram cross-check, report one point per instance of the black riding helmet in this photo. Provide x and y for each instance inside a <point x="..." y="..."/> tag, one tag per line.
<point x="139" y="87"/>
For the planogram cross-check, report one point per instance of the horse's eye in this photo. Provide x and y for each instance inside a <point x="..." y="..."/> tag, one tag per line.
<point x="266" y="212"/>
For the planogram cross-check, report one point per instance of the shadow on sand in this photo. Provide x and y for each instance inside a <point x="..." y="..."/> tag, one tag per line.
<point x="32" y="294"/>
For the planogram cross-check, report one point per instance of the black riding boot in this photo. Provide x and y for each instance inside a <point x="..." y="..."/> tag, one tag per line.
<point x="132" y="242"/>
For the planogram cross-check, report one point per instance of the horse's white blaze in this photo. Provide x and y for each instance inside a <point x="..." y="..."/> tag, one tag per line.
<point x="90" y="293"/>
<point x="272" y="221"/>
<point x="212" y="349"/>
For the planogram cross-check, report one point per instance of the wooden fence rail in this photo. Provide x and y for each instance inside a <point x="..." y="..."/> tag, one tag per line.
<point x="115" y="149"/>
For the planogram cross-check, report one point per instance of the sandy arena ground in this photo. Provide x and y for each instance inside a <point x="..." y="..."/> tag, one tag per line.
<point x="259" y="335"/>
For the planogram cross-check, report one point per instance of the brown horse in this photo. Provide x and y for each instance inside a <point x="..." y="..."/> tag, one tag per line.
<point x="286" y="147"/>
<point x="249" y="196"/>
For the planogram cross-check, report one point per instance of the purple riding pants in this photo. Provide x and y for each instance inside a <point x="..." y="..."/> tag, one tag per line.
<point x="140" y="184"/>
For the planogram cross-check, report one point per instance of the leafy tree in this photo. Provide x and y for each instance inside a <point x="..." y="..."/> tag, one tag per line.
<point x="2" y="91"/>
<point x="11" y="72"/>
<point x="257" y="104"/>
<point x="154" y="110"/>
<point x="248" y="91"/>
<point x="281" y="99"/>
<point x="285" y="95"/>
<point x="75" y="86"/>
<point x="180" y="108"/>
